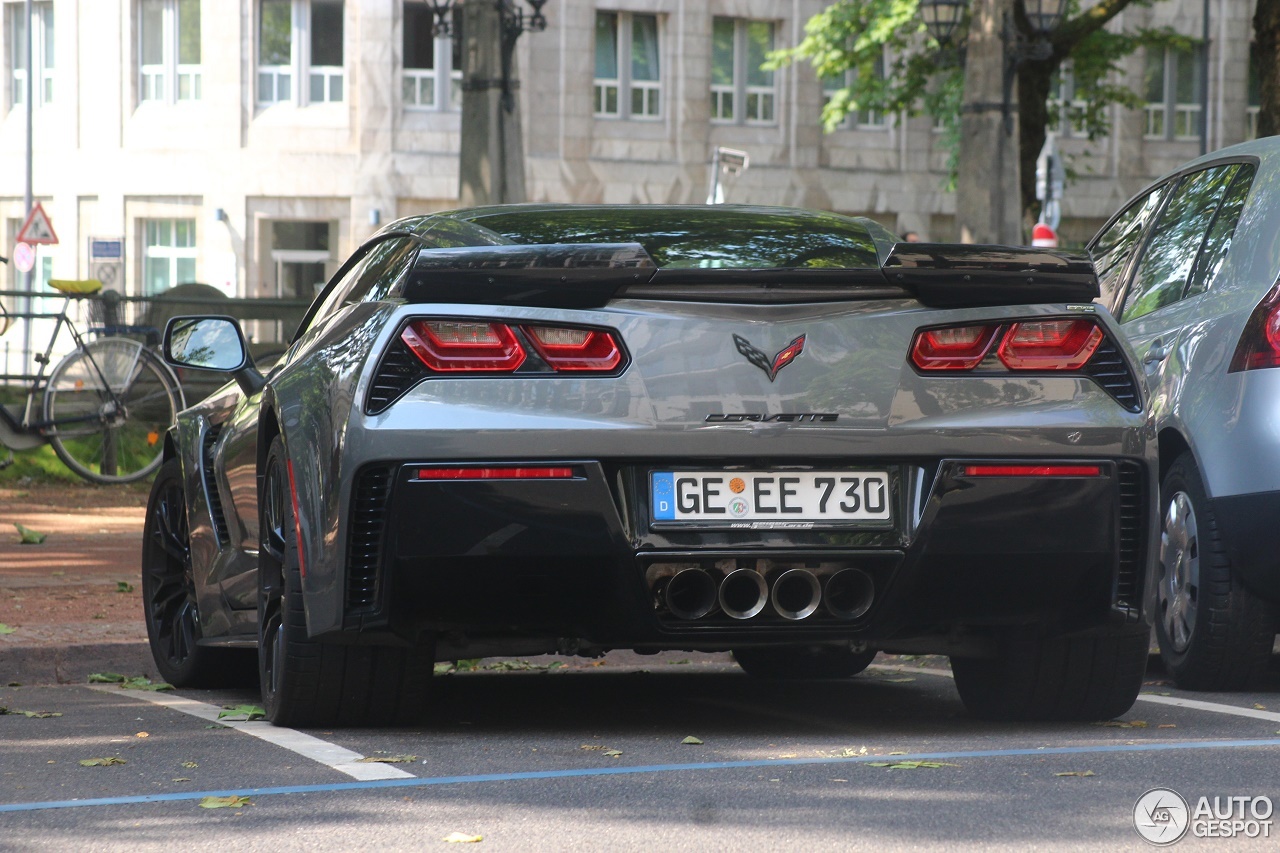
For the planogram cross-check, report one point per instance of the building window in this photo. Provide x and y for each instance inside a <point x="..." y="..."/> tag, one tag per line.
<point x="862" y="119"/>
<point x="1066" y="111"/>
<point x="426" y="85"/>
<point x="627" y="82"/>
<point x="741" y="91"/>
<point x="1173" y="93"/>
<point x="168" y="254"/>
<point x="300" y="57"/>
<point x="169" y="50"/>
<point x="41" y="52"/>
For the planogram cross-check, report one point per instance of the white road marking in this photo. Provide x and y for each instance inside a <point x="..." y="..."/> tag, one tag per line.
<point x="331" y="755"/>
<point x="1214" y="707"/>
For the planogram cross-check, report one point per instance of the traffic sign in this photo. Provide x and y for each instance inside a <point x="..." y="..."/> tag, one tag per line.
<point x="37" y="228"/>
<point x="24" y="257"/>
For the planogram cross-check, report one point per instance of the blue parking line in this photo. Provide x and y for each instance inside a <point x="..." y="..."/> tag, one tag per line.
<point x="625" y="771"/>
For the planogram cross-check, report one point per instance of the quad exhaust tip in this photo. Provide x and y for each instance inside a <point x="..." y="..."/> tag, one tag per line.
<point x="796" y="594"/>
<point x="849" y="594"/>
<point x="690" y="594"/>
<point x="743" y="594"/>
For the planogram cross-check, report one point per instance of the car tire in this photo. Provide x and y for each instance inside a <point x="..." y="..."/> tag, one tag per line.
<point x="170" y="607"/>
<point x="1213" y="633"/>
<point x="308" y="682"/>
<point x="792" y="662"/>
<point x="1055" y="678"/>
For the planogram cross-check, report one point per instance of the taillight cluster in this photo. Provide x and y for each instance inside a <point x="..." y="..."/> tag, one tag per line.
<point x="1027" y="345"/>
<point x="477" y="346"/>
<point x="1259" y="344"/>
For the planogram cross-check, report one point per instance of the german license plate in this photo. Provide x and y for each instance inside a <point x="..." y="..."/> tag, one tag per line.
<point x="756" y="500"/>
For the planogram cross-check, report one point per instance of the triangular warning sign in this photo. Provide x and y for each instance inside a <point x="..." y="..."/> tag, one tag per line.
<point x="37" y="228"/>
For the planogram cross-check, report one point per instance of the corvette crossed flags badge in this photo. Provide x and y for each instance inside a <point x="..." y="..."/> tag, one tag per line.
<point x="771" y="367"/>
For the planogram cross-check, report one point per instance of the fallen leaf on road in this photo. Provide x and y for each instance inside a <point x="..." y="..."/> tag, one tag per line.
<point x="592" y="746"/>
<point x="691" y="740"/>
<point x="124" y="586"/>
<point x="143" y="683"/>
<point x="612" y="753"/>
<point x="1123" y="724"/>
<point x="143" y="734"/>
<point x="27" y="536"/>
<point x="462" y="838"/>
<point x="850" y="752"/>
<point x="242" y="713"/>
<point x="39" y="715"/>
<point x="101" y="762"/>
<point x="5" y="629"/>
<point x="1260" y="707"/>
<point x="1166" y="726"/>
<point x="388" y="759"/>
<point x="1076" y="773"/>
<point x="190" y="764"/>
<point x="911" y="765"/>
<point x="234" y="801"/>
<point x="105" y="678"/>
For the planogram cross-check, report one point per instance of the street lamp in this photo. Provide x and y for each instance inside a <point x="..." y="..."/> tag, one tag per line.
<point x="942" y="17"/>
<point x="512" y="24"/>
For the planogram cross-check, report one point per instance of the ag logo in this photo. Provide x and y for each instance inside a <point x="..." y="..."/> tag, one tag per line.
<point x="771" y="367"/>
<point x="1161" y="816"/>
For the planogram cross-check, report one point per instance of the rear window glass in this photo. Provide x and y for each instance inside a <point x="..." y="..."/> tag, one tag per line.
<point x="709" y="237"/>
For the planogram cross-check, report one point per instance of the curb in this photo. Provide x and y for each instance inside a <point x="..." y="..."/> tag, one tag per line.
<point x="28" y="666"/>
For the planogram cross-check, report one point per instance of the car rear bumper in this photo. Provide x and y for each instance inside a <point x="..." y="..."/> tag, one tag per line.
<point x="1247" y="524"/>
<point x="580" y="558"/>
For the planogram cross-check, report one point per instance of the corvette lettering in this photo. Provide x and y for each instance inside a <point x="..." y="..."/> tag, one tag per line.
<point x="796" y="418"/>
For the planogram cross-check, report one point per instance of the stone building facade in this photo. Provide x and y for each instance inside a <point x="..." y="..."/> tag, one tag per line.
<point x="251" y="144"/>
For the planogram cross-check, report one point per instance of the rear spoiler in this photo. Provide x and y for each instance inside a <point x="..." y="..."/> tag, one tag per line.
<point x="590" y="275"/>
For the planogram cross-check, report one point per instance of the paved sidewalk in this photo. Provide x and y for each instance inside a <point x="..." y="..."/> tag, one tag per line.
<point x="73" y="602"/>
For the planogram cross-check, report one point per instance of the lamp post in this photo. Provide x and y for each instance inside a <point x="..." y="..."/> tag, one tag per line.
<point x="1001" y="35"/>
<point x="491" y="160"/>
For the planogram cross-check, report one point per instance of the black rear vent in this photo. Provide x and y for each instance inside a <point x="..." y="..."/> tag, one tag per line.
<point x="364" y="539"/>
<point x="216" y="513"/>
<point x="1108" y="369"/>
<point x="398" y="371"/>
<point x="1133" y="541"/>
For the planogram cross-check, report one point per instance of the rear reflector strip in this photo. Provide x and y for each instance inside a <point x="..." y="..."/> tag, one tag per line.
<point x="522" y="473"/>
<point x="1031" y="471"/>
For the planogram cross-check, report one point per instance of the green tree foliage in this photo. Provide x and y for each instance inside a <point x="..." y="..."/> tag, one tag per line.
<point x="1266" y="31"/>
<point x="922" y="76"/>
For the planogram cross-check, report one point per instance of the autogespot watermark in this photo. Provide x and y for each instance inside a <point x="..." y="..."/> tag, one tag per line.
<point x="1162" y="816"/>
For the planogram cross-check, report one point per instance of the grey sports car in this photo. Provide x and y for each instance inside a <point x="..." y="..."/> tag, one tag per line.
<point x="536" y="429"/>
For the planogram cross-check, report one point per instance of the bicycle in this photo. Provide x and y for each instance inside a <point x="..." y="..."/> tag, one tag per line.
<point x="104" y="407"/>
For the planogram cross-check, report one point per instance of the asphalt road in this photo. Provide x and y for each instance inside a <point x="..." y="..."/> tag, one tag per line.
<point x="588" y="757"/>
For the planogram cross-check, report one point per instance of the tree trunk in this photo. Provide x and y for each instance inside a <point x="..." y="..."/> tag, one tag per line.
<point x="987" y="185"/>
<point x="1266" y="30"/>
<point x="1034" y="79"/>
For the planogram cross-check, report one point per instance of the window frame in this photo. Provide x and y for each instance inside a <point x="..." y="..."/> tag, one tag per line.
<point x="171" y="253"/>
<point x="1165" y="118"/>
<point x="171" y="72"/>
<point x="624" y="86"/>
<point x="43" y="42"/>
<point x="301" y="71"/>
<point x="445" y="89"/>
<point x="740" y="91"/>
<point x="875" y="121"/>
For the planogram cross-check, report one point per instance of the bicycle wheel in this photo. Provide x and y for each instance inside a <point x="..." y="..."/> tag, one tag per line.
<point x="109" y="406"/>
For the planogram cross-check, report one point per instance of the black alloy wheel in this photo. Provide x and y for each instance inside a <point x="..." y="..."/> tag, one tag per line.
<point x="169" y="598"/>
<point x="308" y="682"/>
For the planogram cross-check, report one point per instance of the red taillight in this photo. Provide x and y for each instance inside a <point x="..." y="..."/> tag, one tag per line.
<point x="1031" y="471"/>
<point x="1259" y="344"/>
<point x="1026" y="345"/>
<point x="460" y="346"/>
<point x="1049" y="344"/>
<point x="510" y="473"/>
<point x="956" y="348"/>
<point x="575" y="349"/>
